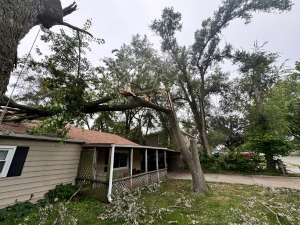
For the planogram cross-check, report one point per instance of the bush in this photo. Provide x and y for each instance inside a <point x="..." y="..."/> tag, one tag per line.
<point x="61" y="192"/>
<point x="230" y="163"/>
<point x="18" y="210"/>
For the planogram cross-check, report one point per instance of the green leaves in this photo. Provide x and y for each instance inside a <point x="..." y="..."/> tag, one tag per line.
<point x="169" y="23"/>
<point x="67" y="77"/>
<point x="63" y="192"/>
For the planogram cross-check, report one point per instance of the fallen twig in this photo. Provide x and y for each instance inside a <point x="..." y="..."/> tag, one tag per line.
<point x="271" y="212"/>
<point x="75" y="193"/>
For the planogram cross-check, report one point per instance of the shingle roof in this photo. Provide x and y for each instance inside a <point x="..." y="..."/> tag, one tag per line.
<point x="89" y="136"/>
<point x="96" y="137"/>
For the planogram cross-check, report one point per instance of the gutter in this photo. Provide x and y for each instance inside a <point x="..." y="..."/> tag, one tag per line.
<point x="111" y="170"/>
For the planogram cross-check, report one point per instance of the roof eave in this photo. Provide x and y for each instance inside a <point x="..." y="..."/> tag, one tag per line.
<point x="44" y="138"/>
<point x="121" y="145"/>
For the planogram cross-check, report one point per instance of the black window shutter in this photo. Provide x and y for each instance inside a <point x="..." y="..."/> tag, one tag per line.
<point x="18" y="161"/>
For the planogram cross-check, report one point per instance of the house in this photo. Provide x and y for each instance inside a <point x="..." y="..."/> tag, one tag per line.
<point x="103" y="163"/>
<point x="175" y="160"/>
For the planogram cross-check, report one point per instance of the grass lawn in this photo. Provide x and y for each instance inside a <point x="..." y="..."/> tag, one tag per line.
<point x="224" y="204"/>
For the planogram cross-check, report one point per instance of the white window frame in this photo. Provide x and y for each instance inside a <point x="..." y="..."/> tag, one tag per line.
<point x="8" y="159"/>
<point x="127" y="166"/>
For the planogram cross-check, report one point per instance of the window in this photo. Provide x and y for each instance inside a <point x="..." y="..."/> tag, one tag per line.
<point x="12" y="160"/>
<point x="121" y="160"/>
<point x="6" y="156"/>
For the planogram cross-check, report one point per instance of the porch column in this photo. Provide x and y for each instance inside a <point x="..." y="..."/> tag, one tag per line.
<point x="165" y="159"/>
<point x="146" y="162"/>
<point x="95" y="163"/>
<point x="146" y="165"/>
<point x="131" y="162"/>
<point x="157" y="166"/>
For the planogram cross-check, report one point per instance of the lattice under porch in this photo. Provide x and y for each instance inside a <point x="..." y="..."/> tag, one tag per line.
<point x="99" y="189"/>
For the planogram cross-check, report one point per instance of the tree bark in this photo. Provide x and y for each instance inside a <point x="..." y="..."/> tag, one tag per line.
<point x="270" y="161"/>
<point x="190" y="155"/>
<point x="17" y="19"/>
<point x="203" y="133"/>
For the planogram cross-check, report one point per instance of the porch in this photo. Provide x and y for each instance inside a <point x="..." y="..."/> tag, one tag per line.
<point x="104" y="170"/>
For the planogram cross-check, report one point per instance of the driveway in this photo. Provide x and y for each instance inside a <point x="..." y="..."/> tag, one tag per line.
<point x="268" y="181"/>
<point x="292" y="163"/>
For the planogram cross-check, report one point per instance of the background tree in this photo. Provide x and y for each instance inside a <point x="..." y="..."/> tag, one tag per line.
<point x="226" y="131"/>
<point x="291" y="89"/>
<point x="259" y="74"/>
<point x="283" y="100"/>
<point x="193" y="63"/>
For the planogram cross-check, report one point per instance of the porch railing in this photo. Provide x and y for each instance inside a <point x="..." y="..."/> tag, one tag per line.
<point x="99" y="189"/>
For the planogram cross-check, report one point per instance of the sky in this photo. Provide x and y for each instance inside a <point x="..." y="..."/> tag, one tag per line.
<point x="117" y="21"/>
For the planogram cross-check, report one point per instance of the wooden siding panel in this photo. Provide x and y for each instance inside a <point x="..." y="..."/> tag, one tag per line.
<point x="54" y="157"/>
<point x="50" y="153"/>
<point x="47" y="164"/>
<point x="8" y="202"/>
<point x="50" y="167"/>
<point x="35" y="176"/>
<point x="37" y="182"/>
<point x="38" y="192"/>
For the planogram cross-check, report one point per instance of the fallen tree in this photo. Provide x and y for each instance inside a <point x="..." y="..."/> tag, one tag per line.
<point x="189" y="152"/>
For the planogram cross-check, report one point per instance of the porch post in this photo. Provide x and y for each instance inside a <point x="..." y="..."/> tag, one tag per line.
<point x="131" y="162"/>
<point x="95" y="163"/>
<point x="146" y="165"/>
<point x="165" y="158"/>
<point x="165" y="161"/>
<point x="157" y="167"/>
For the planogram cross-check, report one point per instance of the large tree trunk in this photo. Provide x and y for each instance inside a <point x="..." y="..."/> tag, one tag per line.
<point x="201" y="129"/>
<point x="17" y="18"/>
<point x="197" y="106"/>
<point x="270" y="161"/>
<point x="203" y="133"/>
<point x="190" y="155"/>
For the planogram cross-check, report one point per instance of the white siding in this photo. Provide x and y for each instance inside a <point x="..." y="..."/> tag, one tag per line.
<point x="47" y="164"/>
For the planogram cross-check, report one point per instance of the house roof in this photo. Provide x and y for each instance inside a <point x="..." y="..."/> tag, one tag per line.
<point x="89" y="136"/>
<point x="96" y="137"/>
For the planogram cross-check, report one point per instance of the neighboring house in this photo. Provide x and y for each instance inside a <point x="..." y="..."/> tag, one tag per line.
<point x="157" y="140"/>
<point x="174" y="158"/>
<point x="32" y="165"/>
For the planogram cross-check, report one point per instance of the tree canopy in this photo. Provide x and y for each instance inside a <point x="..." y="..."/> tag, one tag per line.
<point x="176" y="79"/>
